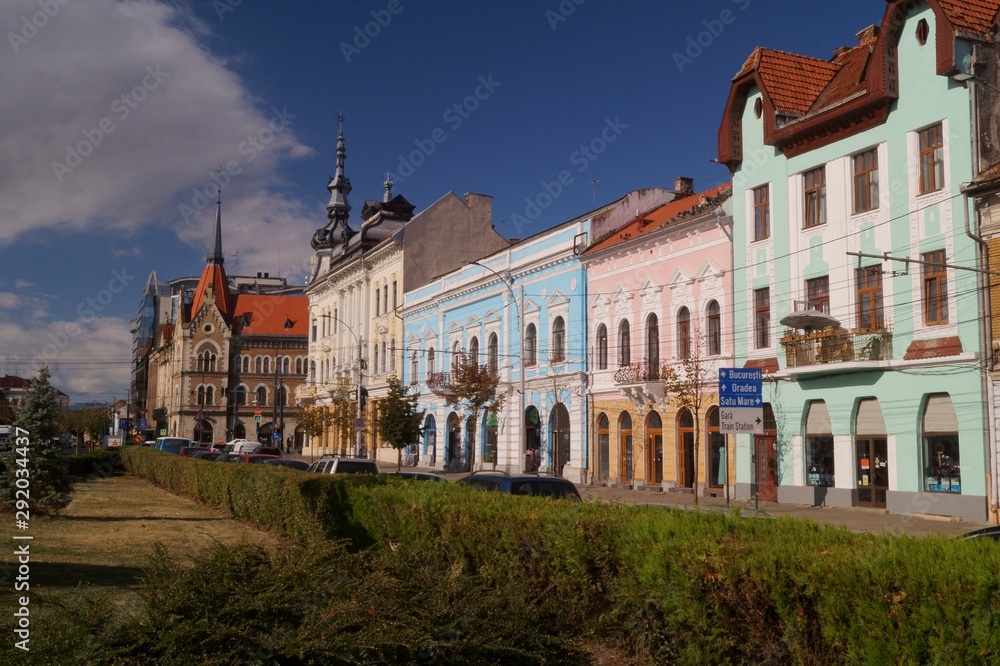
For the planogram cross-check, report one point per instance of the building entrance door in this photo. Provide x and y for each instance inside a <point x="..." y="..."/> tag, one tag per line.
<point x="765" y="467"/>
<point x="872" y="464"/>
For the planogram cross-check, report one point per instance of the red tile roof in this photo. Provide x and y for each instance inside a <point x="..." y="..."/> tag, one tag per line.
<point x="213" y="276"/>
<point x="792" y="81"/>
<point x="664" y="215"/>
<point x="975" y="16"/>
<point x="271" y="314"/>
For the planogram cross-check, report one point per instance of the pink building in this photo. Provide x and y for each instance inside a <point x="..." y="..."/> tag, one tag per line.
<point x="660" y="292"/>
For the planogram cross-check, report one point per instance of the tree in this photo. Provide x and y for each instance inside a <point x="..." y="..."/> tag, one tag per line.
<point x="475" y="388"/>
<point x="311" y="420"/>
<point x="36" y="455"/>
<point x="399" y="423"/>
<point x="340" y="414"/>
<point x="687" y="383"/>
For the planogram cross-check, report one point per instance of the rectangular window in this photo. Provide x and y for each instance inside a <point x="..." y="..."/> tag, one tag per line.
<point x="819" y="460"/>
<point x="761" y="213"/>
<point x="931" y="160"/>
<point x="942" y="472"/>
<point x="866" y="181"/>
<point x="870" y="312"/>
<point x="818" y="293"/>
<point x="762" y="317"/>
<point x="814" y="184"/>
<point x="935" y="280"/>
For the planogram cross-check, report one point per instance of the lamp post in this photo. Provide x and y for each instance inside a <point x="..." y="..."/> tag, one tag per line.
<point x="359" y="389"/>
<point x="508" y="281"/>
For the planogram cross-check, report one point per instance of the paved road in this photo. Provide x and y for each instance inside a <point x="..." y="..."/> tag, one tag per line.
<point x="874" y="521"/>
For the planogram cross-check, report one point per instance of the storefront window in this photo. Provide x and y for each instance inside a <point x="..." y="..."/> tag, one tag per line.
<point x="941" y="464"/>
<point x="819" y="460"/>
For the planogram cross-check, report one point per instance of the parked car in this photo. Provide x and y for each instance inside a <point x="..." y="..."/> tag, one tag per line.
<point x="417" y="476"/>
<point x="207" y="454"/>
<point x="286" y="462"/>
<point x="992" y="532"/>
<point x="523" y="484"/>
<point x="269" y="450"/>
<point x="344" y="466"/>
<point x="189" y="451"/>
<point x="172" y="444"/>
<point x="242" y="446"/>
<point x="246" y="457"/>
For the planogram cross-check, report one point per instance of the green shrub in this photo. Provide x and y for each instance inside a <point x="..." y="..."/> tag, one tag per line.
<point x="676" y="587"/>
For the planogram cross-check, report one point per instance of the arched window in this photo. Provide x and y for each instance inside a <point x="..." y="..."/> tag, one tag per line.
<point x="714" y="329"/>
<point x="298" y="366"/>
<point x="624" y="344"/>
<point x="256" y="365"/>
<point x="653" y="343"/>
<point x="558" y="340"/>
<point x="455" y="351"/>
<point x="267" y="365"/>
<point x="392" y="351"/>
<point x="282" y="397"/>
<point x="602" y="347"/>
<point x="201" y="395"/>
<point x="246" y="364"/>
<point x="395" y="303"/>
<point x="261" y="396"/>
<point x="375" y="354"/>
<point x="684" y="333"/>
<point x="531" y="345"/>
<point x="474" y="349"/>
<point x="493" y="354"/>
<point x="211" y="362"/>
<point x="430" y="362"/>
<point x="385" y="296"/>
<point x="414" y="368"/>
<point x="383" y="356"/>
<point x="288" y="366"/>
<point x="210" y="395"/>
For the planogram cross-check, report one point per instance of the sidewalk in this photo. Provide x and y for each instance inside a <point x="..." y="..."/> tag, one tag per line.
<point x="856" y="519"/>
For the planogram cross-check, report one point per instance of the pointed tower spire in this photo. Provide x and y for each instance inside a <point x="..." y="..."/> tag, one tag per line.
<point x="388" y="187"/>
<point x="340" y="185"/>
<point x="218" y="258"/>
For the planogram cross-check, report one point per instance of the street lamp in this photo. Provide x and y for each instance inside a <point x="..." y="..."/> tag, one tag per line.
<point x="360" y="390"/>
<point x="508" y="280"/>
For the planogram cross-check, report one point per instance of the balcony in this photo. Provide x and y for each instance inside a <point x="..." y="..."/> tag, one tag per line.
<point x="439" y="383"/>
<point x="836" y="345"/>
<point x="641" y="382"/>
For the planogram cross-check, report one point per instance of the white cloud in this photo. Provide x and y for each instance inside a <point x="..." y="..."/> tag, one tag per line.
<point x="23" y="284"/>
<point x="8" y="300"/>
<point x="86" y="357"/>
<point x="129" y="84"/>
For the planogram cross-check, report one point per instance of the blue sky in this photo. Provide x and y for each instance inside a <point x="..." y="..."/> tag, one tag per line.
<point x="118" y="113"/>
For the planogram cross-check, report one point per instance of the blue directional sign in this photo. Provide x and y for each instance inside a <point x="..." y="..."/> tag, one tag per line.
<point x="741" y="401"/>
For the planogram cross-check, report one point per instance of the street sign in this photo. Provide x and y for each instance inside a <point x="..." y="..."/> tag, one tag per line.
<point x="257" y="412"/>
<point x="256" y="418"/>
<point x="142" y="424"/>
<point x="360" y="423"/>
<point x="741" y="402"/>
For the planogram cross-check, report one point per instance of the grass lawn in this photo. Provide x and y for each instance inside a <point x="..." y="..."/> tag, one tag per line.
<point x="106" y="535"/>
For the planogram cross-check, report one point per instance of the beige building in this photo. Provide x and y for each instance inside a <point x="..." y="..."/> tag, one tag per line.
<point x="355" y="293"/>
<point x="229" y="364"/>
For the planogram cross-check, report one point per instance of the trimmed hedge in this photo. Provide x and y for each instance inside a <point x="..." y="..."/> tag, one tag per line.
<point x="97" y="464"/>
<point x="675" y="586"/>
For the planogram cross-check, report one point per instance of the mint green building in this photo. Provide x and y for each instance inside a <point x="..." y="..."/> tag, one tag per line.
<point x="857" y="267"/>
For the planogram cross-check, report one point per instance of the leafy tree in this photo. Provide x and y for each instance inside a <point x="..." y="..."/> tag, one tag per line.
<point x="689" y="385"/>
<point x="399" y="424"/>
<point x="36" y="453"/>
<point x="474" y="387"/>
<point x="311" y="421"/>
<point x="339" y="415"/>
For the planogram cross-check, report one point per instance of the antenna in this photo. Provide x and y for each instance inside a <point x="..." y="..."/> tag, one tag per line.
<point x="593" y="183"/>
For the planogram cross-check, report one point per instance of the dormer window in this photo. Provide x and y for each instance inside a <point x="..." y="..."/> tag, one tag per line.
<point x="922" y="31"/>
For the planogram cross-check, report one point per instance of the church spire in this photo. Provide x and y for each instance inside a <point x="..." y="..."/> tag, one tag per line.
<point x="218" y="258"/>
<point x="340" y="185"/>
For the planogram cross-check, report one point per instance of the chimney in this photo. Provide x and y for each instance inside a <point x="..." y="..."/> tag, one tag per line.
<point x="683" y="186"/>
<point x="481" y="205"/>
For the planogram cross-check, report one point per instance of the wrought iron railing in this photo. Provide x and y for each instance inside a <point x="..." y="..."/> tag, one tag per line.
<point x="634" y="373"/>
<point x="438" y="380"/>
<point x="837" y="346"/>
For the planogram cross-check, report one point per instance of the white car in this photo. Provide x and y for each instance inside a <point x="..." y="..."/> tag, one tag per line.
<point x="242" y="446"/>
